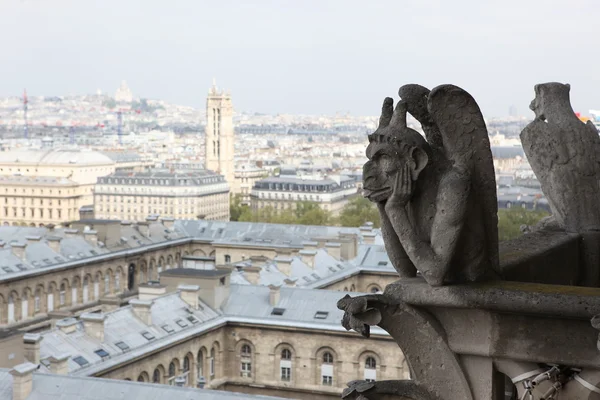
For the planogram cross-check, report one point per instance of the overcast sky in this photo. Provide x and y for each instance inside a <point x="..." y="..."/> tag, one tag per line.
<point x="303" y="56"/>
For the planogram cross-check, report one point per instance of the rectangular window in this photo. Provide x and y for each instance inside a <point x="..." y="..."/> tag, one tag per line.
<point x="286" y="374"/>
<point x="246" y="369"/>
<point x="327" y="374"/>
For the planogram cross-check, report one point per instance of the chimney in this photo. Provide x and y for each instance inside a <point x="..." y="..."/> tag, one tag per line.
<point x="18" y="249"/>
<point x="258" y="261"/>
<point x="54" y="243"/>
<point x="349" y="245"/>
<point x="368" y="237"/>
<point x="86" y="212"/>
<point x="151" y="290"/>
<point x="31" y="347"/>
<point x="93" y="324"/>
<point x="22" y="380"/>
<point x="274" y="293"/>
<point x="290" y="282"/>
<point x="91" y="237"/>
<point x="144" y="228"/>
<point x="71" y="233"/>
<point x="67" y="325"/>
<point x="308" y="257"/>
<point x="168" y="222"/>
<point x="252" y="274"/>
<point x="189" y="294"/>
<point x="284" y="265"/>
<point x="59" y="364"/>
<point x="366" y="227"/>
<point x="142" y="309"/>
<point x="334" y="250"/>
<point x="33" y="239"/>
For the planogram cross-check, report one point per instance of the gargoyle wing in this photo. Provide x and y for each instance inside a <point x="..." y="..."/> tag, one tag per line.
<point x="467" y="145"/>
<point x="416" y="96"/>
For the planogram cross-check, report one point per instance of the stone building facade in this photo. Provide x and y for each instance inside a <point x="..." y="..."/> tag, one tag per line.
<point x="284" y="192"/>
<point x="52" y="279"/>
<point x="181" y="194"/>
<point x="48" y="187"/>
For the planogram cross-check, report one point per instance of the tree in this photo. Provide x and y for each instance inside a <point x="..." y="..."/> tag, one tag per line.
<point x="235" y="207"/>
<point x="511" y="220"/>
<point x="358" y="211"/>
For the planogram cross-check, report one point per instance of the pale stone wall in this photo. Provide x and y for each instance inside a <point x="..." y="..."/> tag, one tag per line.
<point x="111" y="202"/>
<point x="364" y="283"/>
<point x="34" y="204"/>
<point x="67" y="291"/>
<point x="307" y="348"/>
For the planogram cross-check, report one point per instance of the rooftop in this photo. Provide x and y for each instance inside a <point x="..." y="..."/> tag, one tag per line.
<point x="61" y="387"/>
<point x="55" y="157"/>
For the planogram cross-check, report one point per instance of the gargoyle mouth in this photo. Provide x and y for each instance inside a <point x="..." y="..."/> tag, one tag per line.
<point x="377" y="195"/>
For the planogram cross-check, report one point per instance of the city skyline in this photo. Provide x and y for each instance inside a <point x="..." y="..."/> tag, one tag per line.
<point x="319" y="59"/>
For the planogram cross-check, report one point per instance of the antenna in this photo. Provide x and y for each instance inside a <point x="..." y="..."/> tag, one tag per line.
<point x="25" y="101"/>
<point x="120" y="126"/>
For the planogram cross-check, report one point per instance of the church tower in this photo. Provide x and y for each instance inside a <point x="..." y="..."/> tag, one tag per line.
<point x="219" y="133"/>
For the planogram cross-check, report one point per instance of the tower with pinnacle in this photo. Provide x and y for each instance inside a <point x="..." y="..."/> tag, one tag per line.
<point x="219" y="133"/>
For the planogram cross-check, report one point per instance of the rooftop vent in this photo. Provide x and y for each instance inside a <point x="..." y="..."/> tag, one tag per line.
<point x="278" y="311"/>
<point x="123" y="346"/>
<point x="321" y="314"/>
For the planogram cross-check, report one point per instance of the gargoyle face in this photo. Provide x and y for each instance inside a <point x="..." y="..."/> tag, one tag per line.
<point x="377" y="186"/>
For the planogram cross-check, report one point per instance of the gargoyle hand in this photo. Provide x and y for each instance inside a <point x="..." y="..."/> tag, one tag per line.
<point x="402" y="189"/>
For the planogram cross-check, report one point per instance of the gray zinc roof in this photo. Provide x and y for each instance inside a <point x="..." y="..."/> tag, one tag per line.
<point x="61" y="387"/>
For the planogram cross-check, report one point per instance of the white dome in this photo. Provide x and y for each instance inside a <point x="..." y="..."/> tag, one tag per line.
<point x="55" y="157"/>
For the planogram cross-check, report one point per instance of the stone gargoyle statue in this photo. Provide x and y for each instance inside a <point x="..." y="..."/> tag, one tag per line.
<point x="436" y="195"/>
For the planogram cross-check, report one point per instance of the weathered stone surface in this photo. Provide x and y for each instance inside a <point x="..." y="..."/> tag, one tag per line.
<point x="541" y="257"/>
<point x="437" y="199"/>
<point x="563" y="153"/>
<point x="434" y="367"/>
<point x="386" y="390"/>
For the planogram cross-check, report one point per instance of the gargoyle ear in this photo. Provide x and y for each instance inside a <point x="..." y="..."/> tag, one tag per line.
<point x="419" y="159"/>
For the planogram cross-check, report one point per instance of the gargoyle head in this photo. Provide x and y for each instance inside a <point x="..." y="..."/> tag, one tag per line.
<point x="391" y="147"/>
<point x="551" y="99"/>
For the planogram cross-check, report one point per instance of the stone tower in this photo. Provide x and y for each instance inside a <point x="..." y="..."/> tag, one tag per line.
<point x="219" y="133"/>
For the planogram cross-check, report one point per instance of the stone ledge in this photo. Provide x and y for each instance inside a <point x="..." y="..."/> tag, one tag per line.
<point x="504" y="296"/>
<point x="550" y="257"/>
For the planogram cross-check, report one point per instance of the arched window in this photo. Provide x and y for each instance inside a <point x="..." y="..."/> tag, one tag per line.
<point x="97" y="287"/>
<point x="141" y="378"/>
<point x="186" y="364"/>
<point x="200" y="364"/>
<point x="212" y="362"/>
<point x="118" y="281"/>
<point x="62" y="294"/>
<point x="37" y="300"/>
<point x="327" y="369"/>
<point x="246" y="362"/>
<point x="227" y="258"/>
<point x="106" y="283"/>
<point x="370" y="363"/>
<point x="375" y="289"/>
<point x="171" y="373"/>
<point x="11" y="309"/>
<point x="246" y="351"/>
<point x="285" y="365"/>
<point x="352" y="288"/>
<point x="86" y="289"/>
<point x="156" y="376"/>
<point x="370" y="374"/>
